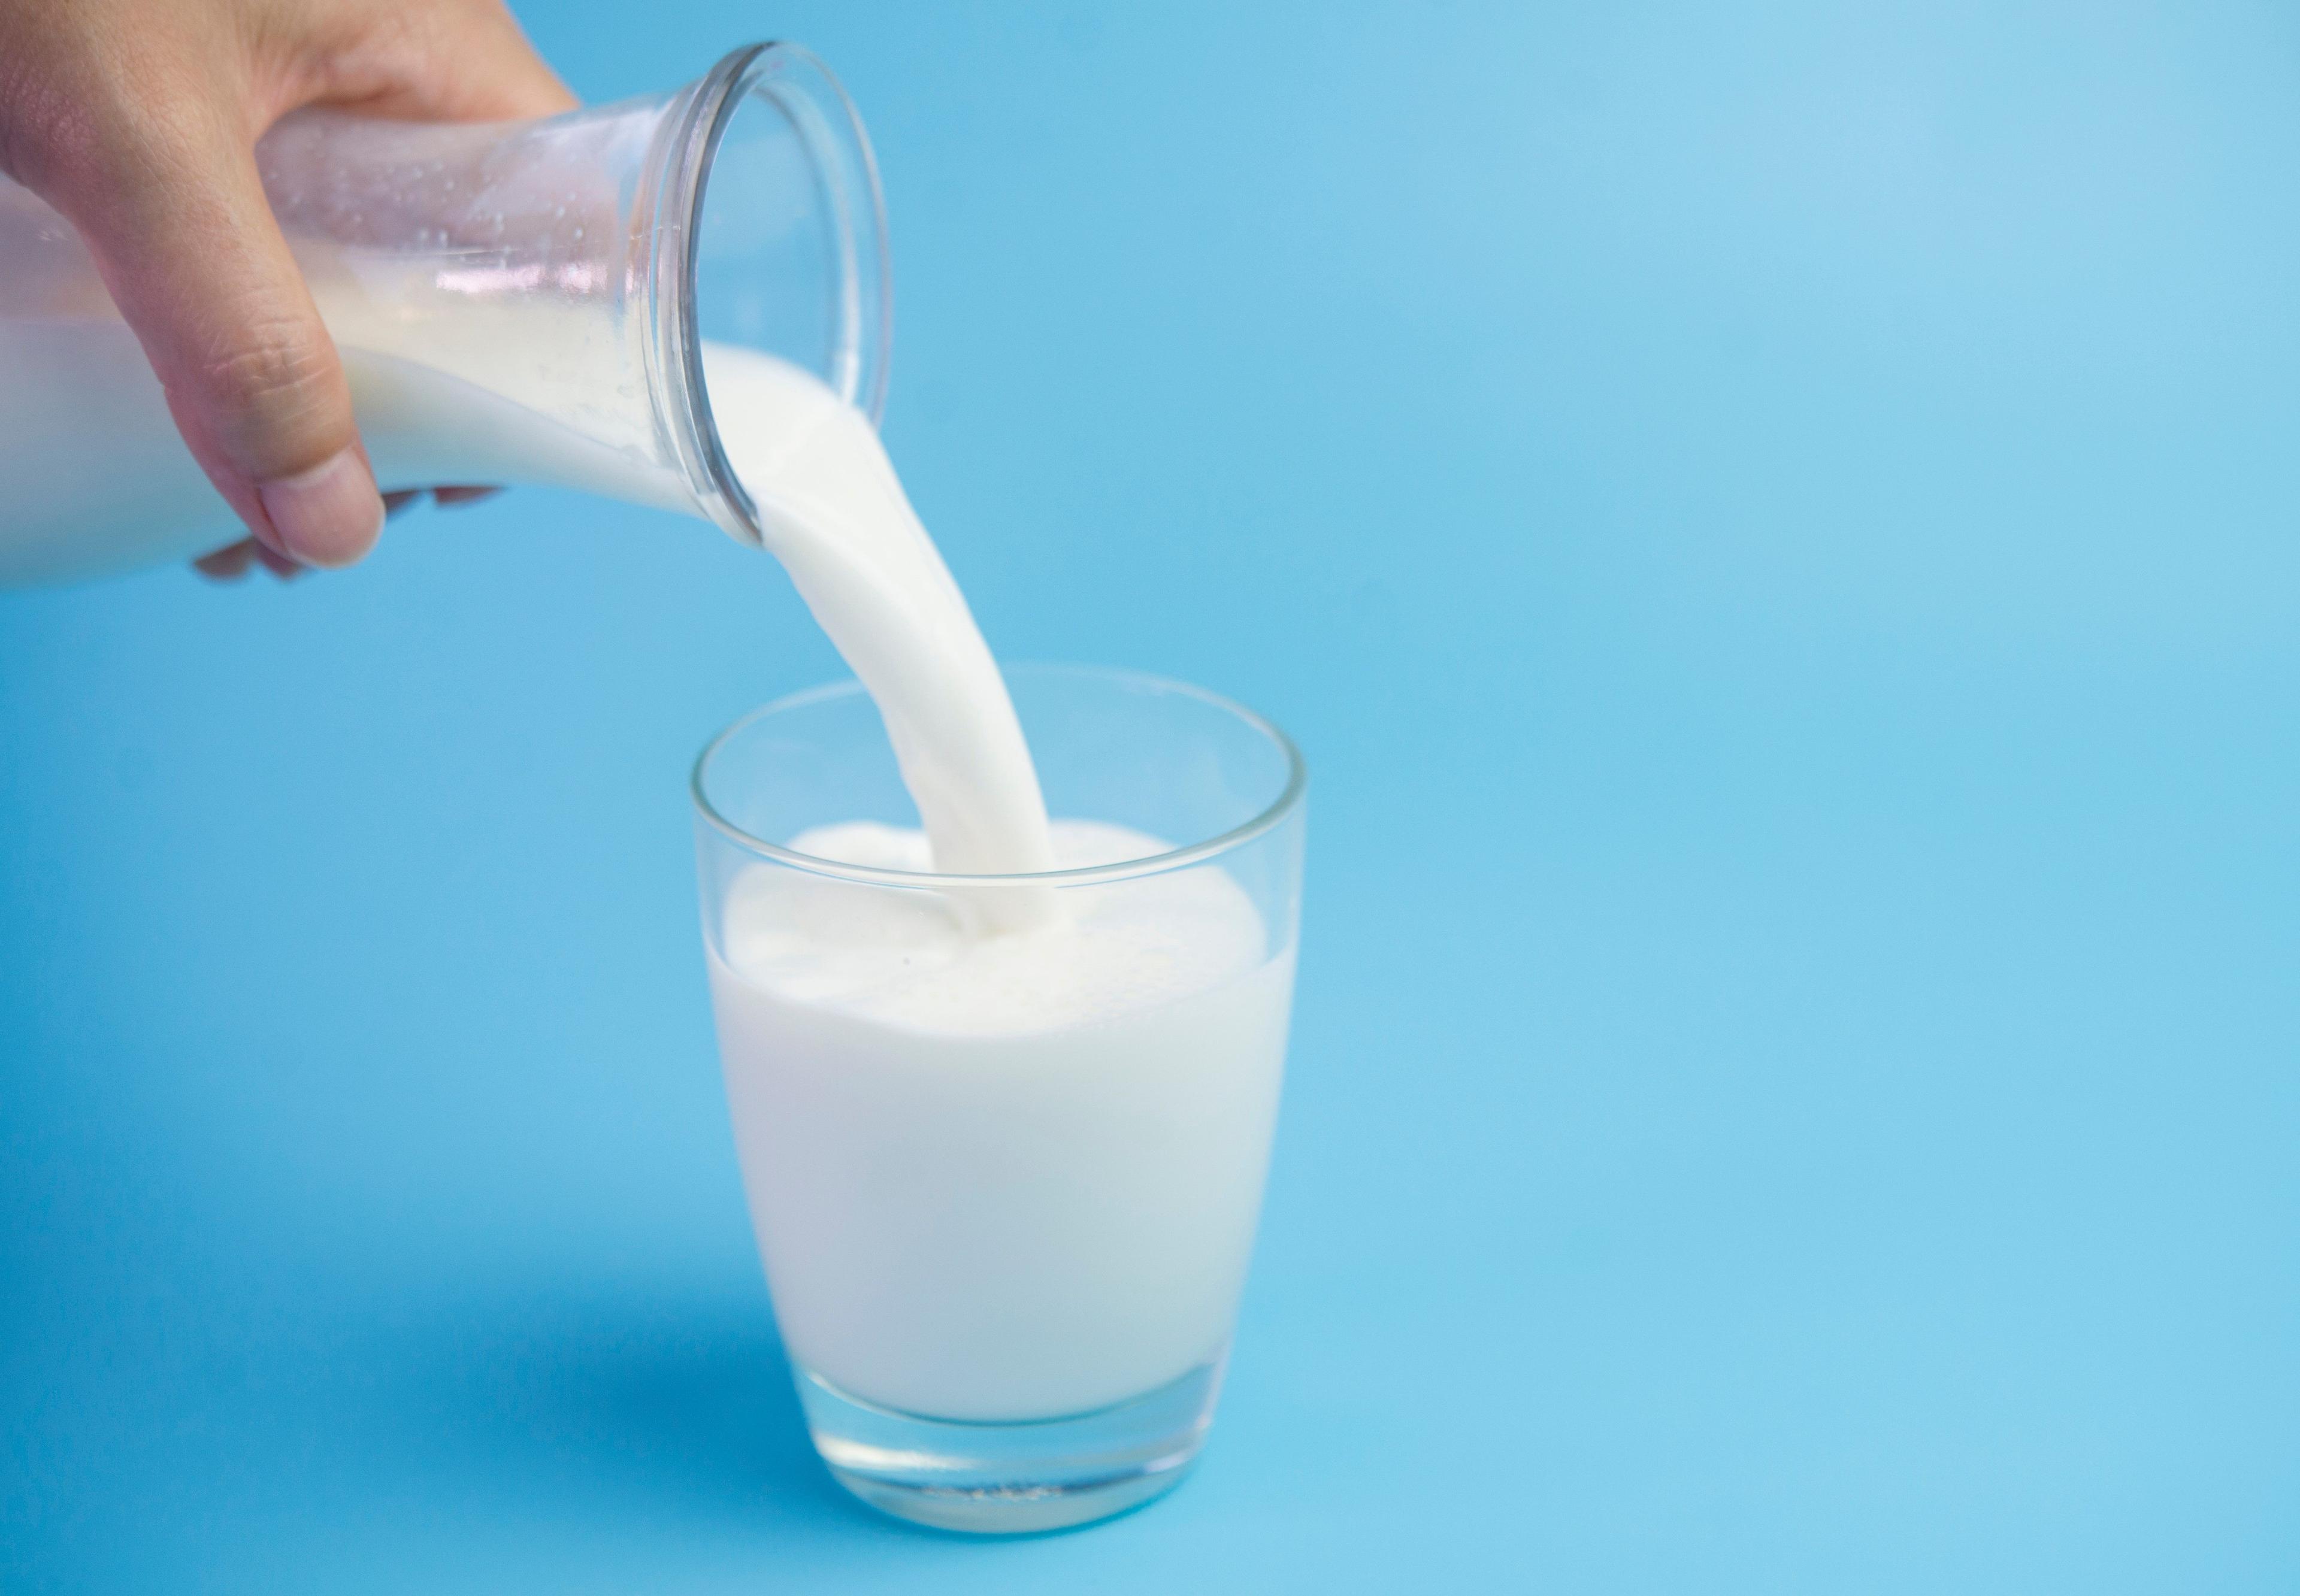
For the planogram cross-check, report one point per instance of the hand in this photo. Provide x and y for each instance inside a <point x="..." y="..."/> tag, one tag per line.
<point x="137" y="120"/>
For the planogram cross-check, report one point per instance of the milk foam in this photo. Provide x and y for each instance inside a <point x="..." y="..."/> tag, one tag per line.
<point x="913" y="960"/>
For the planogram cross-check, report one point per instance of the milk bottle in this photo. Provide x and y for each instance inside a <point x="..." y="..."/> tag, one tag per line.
<point x="524" y="303"/>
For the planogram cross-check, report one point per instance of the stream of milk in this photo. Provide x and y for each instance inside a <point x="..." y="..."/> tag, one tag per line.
<point x="833" y="512"/>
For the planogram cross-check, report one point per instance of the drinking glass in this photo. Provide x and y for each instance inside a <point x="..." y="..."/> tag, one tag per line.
<point x="1005" y="1265"/>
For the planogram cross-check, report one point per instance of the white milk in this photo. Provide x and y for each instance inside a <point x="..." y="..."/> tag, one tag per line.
<point x="99" y="481"/>
<point x="114" y="479"/>
<point x="1000" y="1177"/>
<point x="832" y="511"/>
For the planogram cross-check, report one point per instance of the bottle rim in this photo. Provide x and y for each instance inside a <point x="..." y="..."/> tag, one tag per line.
<point x="847" y="171"/>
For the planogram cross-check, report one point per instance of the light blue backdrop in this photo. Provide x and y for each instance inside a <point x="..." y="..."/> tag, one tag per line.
<point x="1775" y="526"/>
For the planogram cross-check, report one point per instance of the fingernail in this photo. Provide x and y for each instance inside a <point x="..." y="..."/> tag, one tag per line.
<point x="329" y="515"/>
<point x="456" y="497"/>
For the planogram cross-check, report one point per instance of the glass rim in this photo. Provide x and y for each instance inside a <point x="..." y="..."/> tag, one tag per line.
<point x="1289" y="801"/>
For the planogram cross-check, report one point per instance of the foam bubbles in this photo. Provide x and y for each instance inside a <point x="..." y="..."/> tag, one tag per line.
<point x="914" y="958"/>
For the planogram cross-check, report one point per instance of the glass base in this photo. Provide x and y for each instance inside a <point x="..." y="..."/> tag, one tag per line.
<point x="1007" y="1479"/>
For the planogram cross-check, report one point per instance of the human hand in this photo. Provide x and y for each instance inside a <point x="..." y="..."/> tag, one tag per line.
<point x="138" y="121"/>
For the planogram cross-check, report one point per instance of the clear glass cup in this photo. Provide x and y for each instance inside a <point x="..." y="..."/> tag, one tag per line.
<point x="1006" y="1265"/>
<point x="513" y="301"/>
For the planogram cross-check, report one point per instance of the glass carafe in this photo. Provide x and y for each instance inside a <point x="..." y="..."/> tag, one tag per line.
<point x="514" y="302"/>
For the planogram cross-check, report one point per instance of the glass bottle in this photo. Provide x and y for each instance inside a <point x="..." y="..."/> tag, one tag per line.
<point x="513" y="302"/>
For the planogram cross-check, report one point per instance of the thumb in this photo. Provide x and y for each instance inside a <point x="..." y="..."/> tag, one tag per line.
<point x="178" y="222"/>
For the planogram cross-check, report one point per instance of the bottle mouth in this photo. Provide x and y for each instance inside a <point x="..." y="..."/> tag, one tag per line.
<point x="774" y="238"/>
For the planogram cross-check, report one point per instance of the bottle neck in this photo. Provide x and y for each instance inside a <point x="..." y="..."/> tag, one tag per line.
<point x="767" y="230"/>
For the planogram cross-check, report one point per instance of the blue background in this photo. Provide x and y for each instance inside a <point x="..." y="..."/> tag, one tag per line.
<point x="1775" y="526"/>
